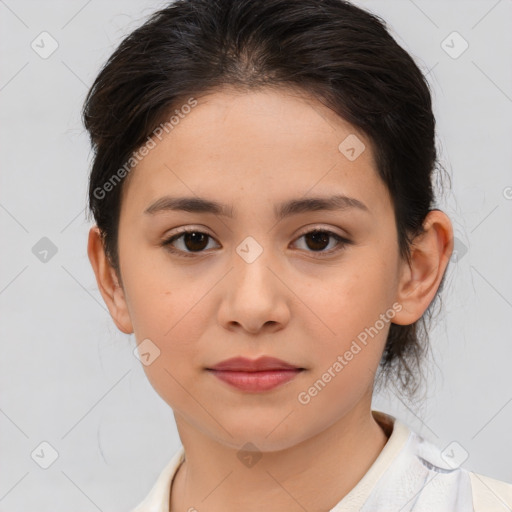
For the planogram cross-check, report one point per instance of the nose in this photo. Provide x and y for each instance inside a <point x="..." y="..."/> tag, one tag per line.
<point x="255" y="297"/>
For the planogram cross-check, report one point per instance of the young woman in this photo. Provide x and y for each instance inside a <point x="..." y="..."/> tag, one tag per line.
<point x="265" y="226"/>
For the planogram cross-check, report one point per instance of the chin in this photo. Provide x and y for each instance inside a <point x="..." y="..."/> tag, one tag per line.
<point x="266" y="438"/>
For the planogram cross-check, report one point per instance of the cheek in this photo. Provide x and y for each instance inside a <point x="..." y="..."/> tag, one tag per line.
<point x="157" y="294"/>
<point x="174" y="329"/>
<point x="345" y="362"/>
<point x="352" y="297"/>
<point x="170" y="310"/>
<point x="355" y="313"/>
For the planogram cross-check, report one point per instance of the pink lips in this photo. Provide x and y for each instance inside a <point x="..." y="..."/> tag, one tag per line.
<point x="256" y="375"/>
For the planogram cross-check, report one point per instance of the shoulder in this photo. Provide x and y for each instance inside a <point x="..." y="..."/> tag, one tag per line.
<point x="436" y="477"/>
<point x="489" y="494"/>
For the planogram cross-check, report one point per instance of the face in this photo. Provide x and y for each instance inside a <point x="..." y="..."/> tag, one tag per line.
<point x="315" y="286"/>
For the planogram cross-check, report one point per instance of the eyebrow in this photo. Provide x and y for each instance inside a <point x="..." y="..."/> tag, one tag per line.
<point x="281" y="211"/>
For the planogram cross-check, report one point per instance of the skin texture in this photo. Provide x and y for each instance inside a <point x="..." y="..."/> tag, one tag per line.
<point x="251" y="151"/>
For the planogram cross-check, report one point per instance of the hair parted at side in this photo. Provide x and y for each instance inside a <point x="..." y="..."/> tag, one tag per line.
<point x="339" y="53"/>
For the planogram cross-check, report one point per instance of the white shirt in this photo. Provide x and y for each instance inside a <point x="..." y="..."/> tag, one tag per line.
<point x="409" y="475"/>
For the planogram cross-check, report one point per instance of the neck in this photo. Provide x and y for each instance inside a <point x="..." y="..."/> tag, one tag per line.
<point x="334" y="461"/>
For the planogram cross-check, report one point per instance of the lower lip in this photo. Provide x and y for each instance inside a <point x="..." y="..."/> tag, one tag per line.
<point x="256" y="381"/>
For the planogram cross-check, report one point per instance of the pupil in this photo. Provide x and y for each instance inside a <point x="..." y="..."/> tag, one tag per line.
<point x="195" y="238"/>
<point x="318" y="237"/>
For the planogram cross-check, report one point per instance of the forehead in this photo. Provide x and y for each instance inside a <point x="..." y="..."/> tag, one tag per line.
<point x="280" y="141"/>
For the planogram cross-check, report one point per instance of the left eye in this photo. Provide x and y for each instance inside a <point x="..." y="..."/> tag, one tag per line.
<point x="318" y="239"/>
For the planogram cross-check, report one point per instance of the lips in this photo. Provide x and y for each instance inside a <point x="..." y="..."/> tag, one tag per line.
<point x="255" y="375"/>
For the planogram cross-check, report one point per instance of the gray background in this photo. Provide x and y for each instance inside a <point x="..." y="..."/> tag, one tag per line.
<point x="69" y="377"/>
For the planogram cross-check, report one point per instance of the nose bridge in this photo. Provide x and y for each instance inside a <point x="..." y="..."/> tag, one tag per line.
<point x="250" y="250"/>
<point x="251" y="262"/>
<point x="254" y="296"/>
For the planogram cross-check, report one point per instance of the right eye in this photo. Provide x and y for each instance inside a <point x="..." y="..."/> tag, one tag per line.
<point x="191" y="241"/>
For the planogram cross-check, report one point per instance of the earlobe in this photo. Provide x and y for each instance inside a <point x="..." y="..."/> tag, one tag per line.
<point x="420" y="280"/>
<point x="108" y="283"/>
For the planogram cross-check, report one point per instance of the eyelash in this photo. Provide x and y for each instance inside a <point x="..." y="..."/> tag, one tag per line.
<point x="167" y="243"/>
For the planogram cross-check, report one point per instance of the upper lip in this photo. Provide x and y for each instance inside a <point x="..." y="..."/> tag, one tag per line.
<point x="262" y="363"/>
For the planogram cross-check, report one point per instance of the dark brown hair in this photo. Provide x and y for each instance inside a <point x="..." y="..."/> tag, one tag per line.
<point x="340" y="54"/>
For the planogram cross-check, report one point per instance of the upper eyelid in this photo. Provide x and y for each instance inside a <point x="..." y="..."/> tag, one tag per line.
<point x="319" y="227"/>
<point x="308" y="229"/>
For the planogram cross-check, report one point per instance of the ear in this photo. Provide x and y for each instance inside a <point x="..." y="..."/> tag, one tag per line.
<point x="108" y="282"/>
<point x="419" y="280"/>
